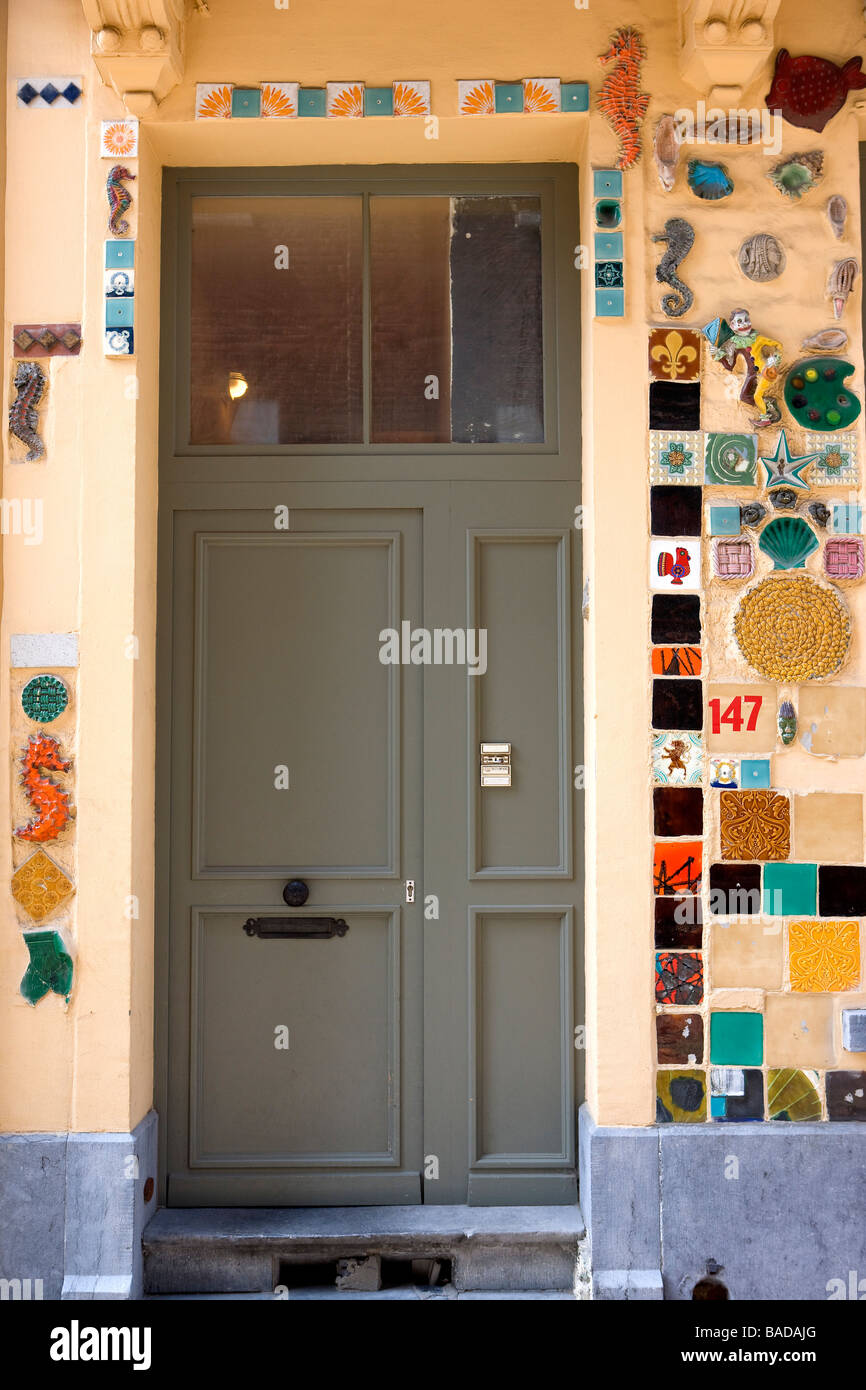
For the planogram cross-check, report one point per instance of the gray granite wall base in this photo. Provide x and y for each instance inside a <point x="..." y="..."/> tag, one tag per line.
<point x="771" y="1210"/>
<point x="72" y="1211"/>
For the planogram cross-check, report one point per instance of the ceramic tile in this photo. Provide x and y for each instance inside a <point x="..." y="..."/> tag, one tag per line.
<point x="853" y="1030"/>
<point x="507" y="97"/>
<point x="476" y="97"/>
<point x="345" y="99"/>
<point x="675" y="564"/>
<point x="727" y="1081"/>
<point x="746" y="1106"/>
<point x="736" y="1038"/>
<point x="837" y="460"/>
<point x="746" y="956"/>
<point x="119" y="284"/>
<point x="800" y="1030"/>
<point x="829" y="825"/>
<point x="49" y="969"/>
<point x="741" y="718"/>
<point x="118" y="139"/>
<point x="49" y="801"/>
<point x="790" y="890"/>
<point x="44" y="698"/>
<point x="40" y="886"/>
<point x="847" y="518"/>
<point x="574" y="96"/>
<point x="54" y="92"/>
<point x="823" y="956"/>
<point x="832" y="720"/>
<point x="312" y="101"/>
<point x="674" y="405"/>
<point x="755" y="825"/>
<point x="724" y="521"/>
<point x="541" y="95"/>
<point x="733" y="559"/>
<point x="678" y="922"/>
<point x="213" y="101"/>
<point x="681" y="1097"/>
<point x="609" y="274"/>
<point x="676" y="661"/>
<point x="119" y="312"/>
<point x="46" y="339"/>
<point x="674" y="354"/>
<point x="677" y="866"/>
<point x="731" y="460"/>
<point x="680" y="1039"/>
<point x="755" y="772"/>
<point x="677" y="758"/>
<point x="678" y="811"/>
<point x="119" y="342"/>
<point x="279" y="100"/>
<point x="724" y="772"/>
<point x="607" y="183"/>
<point x="28" y="649"/>
<point x="378" y="101"/>
<point x="119" y="255"/>
<point x="846" y="1095"/>
<point x="842" y="890"/>
<point x="679" y="977"/>
<point x="676" y="458"/>
<point x="793" y="1095"/>
<point x="608" y="213"/>
<point x="411" y="98"/>
<point x="246" y="102"/>
<point x="735" y="890"/>
<point x="675" y="511"/>
<point x="677" y="704"/>
<point x="843" y="558"/>
<point x="675" y="618"/>
<point x="609" y="303"/>
<point x="608" y="246"/>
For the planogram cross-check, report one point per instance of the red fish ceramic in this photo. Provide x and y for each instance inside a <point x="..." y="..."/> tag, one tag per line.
<point x="809" y="91"/>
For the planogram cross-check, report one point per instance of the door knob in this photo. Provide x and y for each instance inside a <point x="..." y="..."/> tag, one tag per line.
<point x="296" y="892"/>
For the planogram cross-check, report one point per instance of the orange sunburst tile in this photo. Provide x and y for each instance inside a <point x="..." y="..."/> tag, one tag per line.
<point x="477" y="99"/>
<point x="411" y="98"/>
<point x="279" y="99"/>
<point x="213" y="101"/>
<point x="345" y="99"/>
<point x="539" y="96"/>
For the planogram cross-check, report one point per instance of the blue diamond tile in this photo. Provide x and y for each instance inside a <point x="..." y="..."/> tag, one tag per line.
<point x="49" y="93"/>
<point x="72" y="92"/>
<point x="27" y="93"/>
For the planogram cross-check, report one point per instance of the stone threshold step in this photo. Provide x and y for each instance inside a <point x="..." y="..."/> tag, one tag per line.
<point x="449" y="1295"/>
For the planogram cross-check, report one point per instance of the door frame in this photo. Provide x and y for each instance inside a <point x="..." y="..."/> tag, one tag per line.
<point x="181" y="465"/>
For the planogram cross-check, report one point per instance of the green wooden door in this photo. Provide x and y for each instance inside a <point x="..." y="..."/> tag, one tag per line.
<point x="368" y="568"/>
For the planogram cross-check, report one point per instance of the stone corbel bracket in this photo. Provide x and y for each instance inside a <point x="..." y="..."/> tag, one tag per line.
<point x="724" y="44"/>
<point x="138" y="48"/>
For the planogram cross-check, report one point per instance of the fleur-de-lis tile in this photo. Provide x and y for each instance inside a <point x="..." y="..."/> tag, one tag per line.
<point x="674" y="354"/>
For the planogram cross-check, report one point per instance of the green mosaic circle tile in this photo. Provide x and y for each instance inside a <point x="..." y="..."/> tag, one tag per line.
<point x="44" y="698"/>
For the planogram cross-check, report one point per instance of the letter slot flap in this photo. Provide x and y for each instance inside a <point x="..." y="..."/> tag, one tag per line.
<point x="496" y="764"/>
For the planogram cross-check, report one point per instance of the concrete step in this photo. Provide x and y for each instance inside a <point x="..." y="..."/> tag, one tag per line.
<point x="314" y="1252"/>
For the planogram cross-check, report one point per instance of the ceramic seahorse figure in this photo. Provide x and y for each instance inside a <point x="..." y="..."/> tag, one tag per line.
<point x="23" y="416"/>
<point x="49" y="801"/>
<point x="680" y="237"/>
<point x="119" y="199"/>
<point x="620" y="98"/>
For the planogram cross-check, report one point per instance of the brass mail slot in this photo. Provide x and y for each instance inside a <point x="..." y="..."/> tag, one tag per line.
<point x="496" y="764"/>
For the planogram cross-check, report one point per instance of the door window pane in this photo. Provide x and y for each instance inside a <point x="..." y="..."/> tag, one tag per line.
<point x="457" y="348"/>
<point x="276" y="330"/>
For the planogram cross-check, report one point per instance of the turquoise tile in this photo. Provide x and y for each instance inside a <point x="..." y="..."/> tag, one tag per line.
<point x="246" y="101"/>
<point x="118" y="313"/>
<point x="717" y="1106"/>
<point x="608" y="246"/>
<point x="119" y="254"/>
<point x="724" y="521"/>
<point x="378" y="101"/>
<point x="790" y="890"/>
<point x="607" y="183"/>
<point x="508" y="96"/>
<point x="736" y="1039"/>
<point x="609" y="304"/>
<point x="312" y="101"/>
<point x="575" y="96"/>
<point x="754" y="772"/>
<point x="608" y="214"/>
<point x="847" y="519"/>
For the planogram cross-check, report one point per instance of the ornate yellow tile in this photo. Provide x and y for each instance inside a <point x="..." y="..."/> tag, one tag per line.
<point x="755" y="825"/>
<point x="824" y="956"/>
<point x="39" y="886"/>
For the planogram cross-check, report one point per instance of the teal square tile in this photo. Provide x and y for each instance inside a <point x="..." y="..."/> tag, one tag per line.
<point x="606" y="183"/>
<point x="378" y="101"/>
<point x="508" y="96"/>
<point x="119" y="255"/>
<point x="246" y="101"/>
<point x="574" y="96"/>
<point x="609" y="303"/>
<point x="790" y="890"/>
<point x="724" y="521"/>
<point x="847" y="519"/>
<point x="731" y="460"/>
<point x="736" y="1039"/>
<point x="312" y="101"/>
<point x="118" y="313"/>
<point x="608" y="213"/>
<point x="754" y="772"/>
<point x="717" y="1107"/>
<point x="608" y="246"/>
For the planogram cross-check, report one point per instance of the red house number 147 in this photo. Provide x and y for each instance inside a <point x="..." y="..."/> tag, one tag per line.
<point x="733" y="715"/>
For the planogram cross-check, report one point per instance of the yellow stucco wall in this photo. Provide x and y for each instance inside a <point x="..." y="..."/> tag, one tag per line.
<point x="89" y="1067"/>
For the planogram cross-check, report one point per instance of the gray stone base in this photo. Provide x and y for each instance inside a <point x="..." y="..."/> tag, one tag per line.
<point x="770" y="1210"/>
<point x="72" y="1211"/>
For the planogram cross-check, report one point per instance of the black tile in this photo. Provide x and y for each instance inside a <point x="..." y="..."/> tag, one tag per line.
<point x="843" y="1102"/>
<point x="842" y="890"/>
<point x="735" y="890"/>
<point x="749" y="1106"/>
<point x="676" y="618"/>
<point x="675" y="407"/>
<point x="675" y="511"/>
<point x="677" y="704"/>
<point x="678" y="811"/>
<point x="678" y="922"/>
